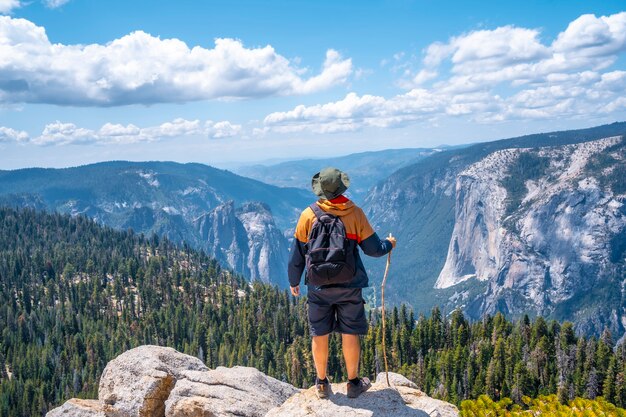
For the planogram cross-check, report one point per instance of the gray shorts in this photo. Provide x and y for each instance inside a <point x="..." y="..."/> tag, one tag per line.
<point x="337" y="309"/>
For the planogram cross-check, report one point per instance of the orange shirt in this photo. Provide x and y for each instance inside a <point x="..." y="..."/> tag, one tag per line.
<point x="357" y="226"/>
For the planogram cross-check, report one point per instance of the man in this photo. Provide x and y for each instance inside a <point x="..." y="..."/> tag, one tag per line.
<point x="336" y="307"/>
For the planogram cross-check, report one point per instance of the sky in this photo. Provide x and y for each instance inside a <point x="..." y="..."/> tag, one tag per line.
<point x="237" y="82"/>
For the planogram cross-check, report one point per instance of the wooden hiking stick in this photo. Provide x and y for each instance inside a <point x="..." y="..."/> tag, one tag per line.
<point x="383" y="296"/>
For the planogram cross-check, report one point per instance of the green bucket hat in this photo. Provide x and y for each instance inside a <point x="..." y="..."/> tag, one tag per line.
<point x="330" y="183"/>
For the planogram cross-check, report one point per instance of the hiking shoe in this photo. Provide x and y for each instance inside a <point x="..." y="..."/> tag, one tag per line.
<point x="354" y="390"/>
<point x="322" y="388"/>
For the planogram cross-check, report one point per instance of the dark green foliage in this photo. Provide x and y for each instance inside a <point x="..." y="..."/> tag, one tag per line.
<point x="618" y="247"/>
<point x="73" y="295"/>
<point x="609" y="167"/>
<point x="528" y="166"/>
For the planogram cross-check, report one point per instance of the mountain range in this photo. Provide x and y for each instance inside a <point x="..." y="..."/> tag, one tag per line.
<point x="534" y="224"/>
<point x="365" y="169"/>
<point x="237" y="220"/>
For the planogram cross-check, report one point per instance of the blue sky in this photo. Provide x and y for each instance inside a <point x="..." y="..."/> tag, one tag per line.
<point x="246" y="81"/>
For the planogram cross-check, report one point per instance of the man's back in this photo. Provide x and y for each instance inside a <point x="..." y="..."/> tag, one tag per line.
<point x="357" y="228"/>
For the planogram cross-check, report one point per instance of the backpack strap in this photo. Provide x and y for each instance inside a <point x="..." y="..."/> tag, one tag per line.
<point x="317" y="210"/>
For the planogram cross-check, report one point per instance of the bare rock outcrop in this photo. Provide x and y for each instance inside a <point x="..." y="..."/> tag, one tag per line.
<point x="401" y="399"/>
<point x="537" y="230"/>
<point x="237" y="391"/>
<point x="246" y="239"/>
<point x="138" y="382"/>
<point x="154" y="381"/>
<point x="79" y="408"/>
<point x="415" y="398"/>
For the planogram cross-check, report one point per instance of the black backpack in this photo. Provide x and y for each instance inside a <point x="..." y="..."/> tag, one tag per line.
<point x="330" y="255"/>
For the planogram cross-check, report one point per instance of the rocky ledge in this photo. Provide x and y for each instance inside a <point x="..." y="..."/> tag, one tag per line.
<point x="154" y="381"/>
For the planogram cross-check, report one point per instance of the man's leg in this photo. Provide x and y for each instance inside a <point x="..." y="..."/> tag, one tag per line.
<point x="351" y="351"/>
<point x="320" y="355"/>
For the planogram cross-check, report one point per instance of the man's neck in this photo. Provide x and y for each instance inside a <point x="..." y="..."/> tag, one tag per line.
<point x="339" y="200"/>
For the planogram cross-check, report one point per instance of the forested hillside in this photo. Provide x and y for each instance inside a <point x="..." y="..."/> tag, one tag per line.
<point x="237" y="220"/>
<point x="74" y="294"/>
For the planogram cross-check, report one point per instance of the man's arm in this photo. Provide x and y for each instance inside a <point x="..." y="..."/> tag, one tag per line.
<point x="371" y="243"/>
<point x="296" y="263"/>
<point x="374" y="246"/>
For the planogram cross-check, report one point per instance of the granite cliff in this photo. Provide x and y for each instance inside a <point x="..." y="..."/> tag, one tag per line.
<point x="547" y="245"/>
<point x="534" y="224"/>
<point x="246" y="239"/>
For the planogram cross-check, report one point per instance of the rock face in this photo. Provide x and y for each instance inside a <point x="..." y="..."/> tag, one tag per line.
<point x="401" y="399"/>
<point x="415" y="398"/>
<point x="245" y="239"/>
<point x="157" y="381"/>
<point x="267" y="246"/>
<point x="472" y="237"/>
<point x="550" y="247"/>
<point x="477" y="234"/>
<point x="225" y="237"/>
<point x="153" y="381"/>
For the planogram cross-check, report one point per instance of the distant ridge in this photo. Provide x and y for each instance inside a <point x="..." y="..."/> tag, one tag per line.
<point x="365" y="169"/>
<point x="168" y="199"/>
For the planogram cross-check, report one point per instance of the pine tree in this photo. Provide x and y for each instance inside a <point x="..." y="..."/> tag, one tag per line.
<point x="609" y="387"/>
<point x="119" y="290"/>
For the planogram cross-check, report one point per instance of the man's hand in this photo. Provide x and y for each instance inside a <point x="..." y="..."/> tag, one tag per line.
<point x="295" y="291"/>
<point x="392" y="240"/>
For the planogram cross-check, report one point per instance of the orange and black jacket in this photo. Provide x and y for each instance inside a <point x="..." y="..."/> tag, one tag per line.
<point x="357" y="228"/>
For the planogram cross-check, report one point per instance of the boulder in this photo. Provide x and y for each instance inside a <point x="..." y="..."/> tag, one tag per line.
<point x="434" y="408"/>
<point x="399" y="400"/>
<point x="78" y="408"/>
<point x="415" y="398"/>
<point x="138" y="382"/>
<point x="237" y="391"/>
<point x="154" y="381"/>
<point x="395" y="380"/>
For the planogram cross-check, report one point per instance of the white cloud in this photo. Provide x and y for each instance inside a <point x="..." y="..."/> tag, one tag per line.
<point x="485" y="58"/>
<point x="593" y="36"/>
<point x="10" y="135"/>
<point x="424" y="76"/>
<point x="7" y="6"/>
<point x="58" y="133"/>
<point x="223" y="129"/>
<point x="53" y="4"/>
<point x="335" y="70"/>
<point x="141" y="68"/>
<point x="176" y="128"/>
<point x="488" y="50"/>
<point x="489" y="76"/>
<point x="355" y="112"/>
